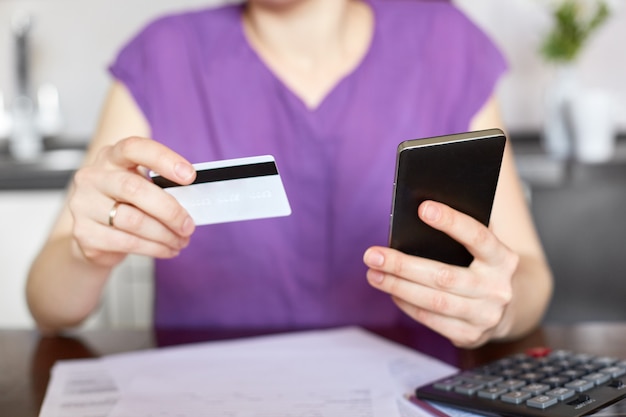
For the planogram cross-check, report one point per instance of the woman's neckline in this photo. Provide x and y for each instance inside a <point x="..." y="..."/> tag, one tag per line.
<point x="333" y="85"/>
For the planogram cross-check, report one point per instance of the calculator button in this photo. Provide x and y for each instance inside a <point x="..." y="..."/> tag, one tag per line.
<point x="597" y="378"/>
<point x="490" y="369"/>
<point x="504" y="363"/>
<point x="605" y="361"/>
<point x="519" y="357"/>
<point x="589" y="367"/>
<point x="447" y="384"/>
<point x="467" y="375"/>
<point x="488" y="380"/>
<point x="580" y="385"/>
<point x="536" y="389"/>
<point x="565" y="364"/>
<point x="549" y="369"/>
<point x="526" y="366"/>
<point x="492" y="393"/>
<point x="561" y="394"/>
<point x="510" y="373"/>
<point x="572" y="374"/>
<point x="515" y="397"/>
<point x="614" y="371"/>
<point x="542" y="401"/>
<point x="555" y="381"/>
<point x="542" y="361"/>
<point x="468" y="388"/>
<point x="512" y="384"/>
<point x="531" y="376"/>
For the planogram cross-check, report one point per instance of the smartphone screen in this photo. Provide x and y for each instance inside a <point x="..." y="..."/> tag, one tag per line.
<point x="460" y="170"/>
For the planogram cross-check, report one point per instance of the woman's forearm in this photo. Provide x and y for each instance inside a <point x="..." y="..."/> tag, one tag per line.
<point x="532" y="289"/>
<point x="63" y="288"/>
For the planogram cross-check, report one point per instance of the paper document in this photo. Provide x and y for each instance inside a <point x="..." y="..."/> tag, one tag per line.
<point x="346" y="372"/>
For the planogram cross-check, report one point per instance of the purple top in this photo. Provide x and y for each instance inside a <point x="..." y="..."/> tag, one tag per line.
<point x="208" y="96"/>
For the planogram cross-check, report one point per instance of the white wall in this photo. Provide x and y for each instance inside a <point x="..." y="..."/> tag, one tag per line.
<point x="517" y="27"/>
<point x="25" y="219"/>
<point x="74" y="40"/>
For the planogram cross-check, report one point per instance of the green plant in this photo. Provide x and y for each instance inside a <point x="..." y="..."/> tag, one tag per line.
<point x="574" y="23"/>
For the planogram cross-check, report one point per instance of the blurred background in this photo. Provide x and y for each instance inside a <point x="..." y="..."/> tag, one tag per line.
<point x="53" y="59"/>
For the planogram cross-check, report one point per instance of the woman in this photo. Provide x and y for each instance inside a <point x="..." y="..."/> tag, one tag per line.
<point x="329" y="87"/>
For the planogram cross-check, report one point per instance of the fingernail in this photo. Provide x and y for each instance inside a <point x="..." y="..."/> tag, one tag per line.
<point x="183" y="171"/>
<point x="188" y="226"/>
<point x="374" y="258"/>
<point x="375" y="276"/>
<point x="183" y="243"/>
<point x="431" y="212"/>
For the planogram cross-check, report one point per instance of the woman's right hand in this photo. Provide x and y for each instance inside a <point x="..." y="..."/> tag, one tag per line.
<point x="147" y="220"/>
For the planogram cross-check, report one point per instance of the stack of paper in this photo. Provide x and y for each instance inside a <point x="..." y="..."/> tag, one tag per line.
<point x="346" y="372"/>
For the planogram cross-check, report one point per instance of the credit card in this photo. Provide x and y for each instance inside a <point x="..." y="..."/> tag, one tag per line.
<point x="231" y="190"/>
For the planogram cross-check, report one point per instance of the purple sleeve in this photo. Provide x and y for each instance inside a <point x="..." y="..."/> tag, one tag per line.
<point x="142" y="63"/>
<point x="128" y="66"/>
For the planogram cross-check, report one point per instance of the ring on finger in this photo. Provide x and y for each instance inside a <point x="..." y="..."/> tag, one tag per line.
<point x="113" y="213"/>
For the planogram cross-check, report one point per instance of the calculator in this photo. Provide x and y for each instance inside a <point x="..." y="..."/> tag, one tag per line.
<point x="538" y="383"/>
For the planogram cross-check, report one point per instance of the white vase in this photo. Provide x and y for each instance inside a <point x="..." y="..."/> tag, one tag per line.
<point x="595" y="133"/>
<point x="557" y="126"/>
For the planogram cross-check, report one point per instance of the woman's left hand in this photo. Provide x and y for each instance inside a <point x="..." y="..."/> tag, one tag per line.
<point x="466" y="304"/>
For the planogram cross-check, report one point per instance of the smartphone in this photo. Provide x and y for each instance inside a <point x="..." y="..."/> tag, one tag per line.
<point x="460" y="170"/>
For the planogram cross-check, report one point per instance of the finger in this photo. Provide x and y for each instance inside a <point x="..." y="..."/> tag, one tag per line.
<point x="96" y="239"/>
<point x="138" y="191"/>
<point x="472" y="234"/>
<point x="135" y="151"/>
<point x="394" y="262"/>
<point x="458" y="331"/>
<point x="129" y="219"/>
<point x="426" y="272"/>
<point x="426" y="298"/>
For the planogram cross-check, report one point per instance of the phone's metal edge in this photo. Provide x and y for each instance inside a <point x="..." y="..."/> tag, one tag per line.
<point x="432" y="141"/>
<point x="455" y="137"/>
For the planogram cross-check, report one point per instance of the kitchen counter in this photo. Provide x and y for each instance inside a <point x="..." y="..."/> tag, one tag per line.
<point x="60" y="160"/>
<point x="52" y="170"/>
<point x="537" y="169"/>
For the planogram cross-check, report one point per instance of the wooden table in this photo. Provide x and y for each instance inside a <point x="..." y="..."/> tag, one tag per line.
<point x="26" y="358"/>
